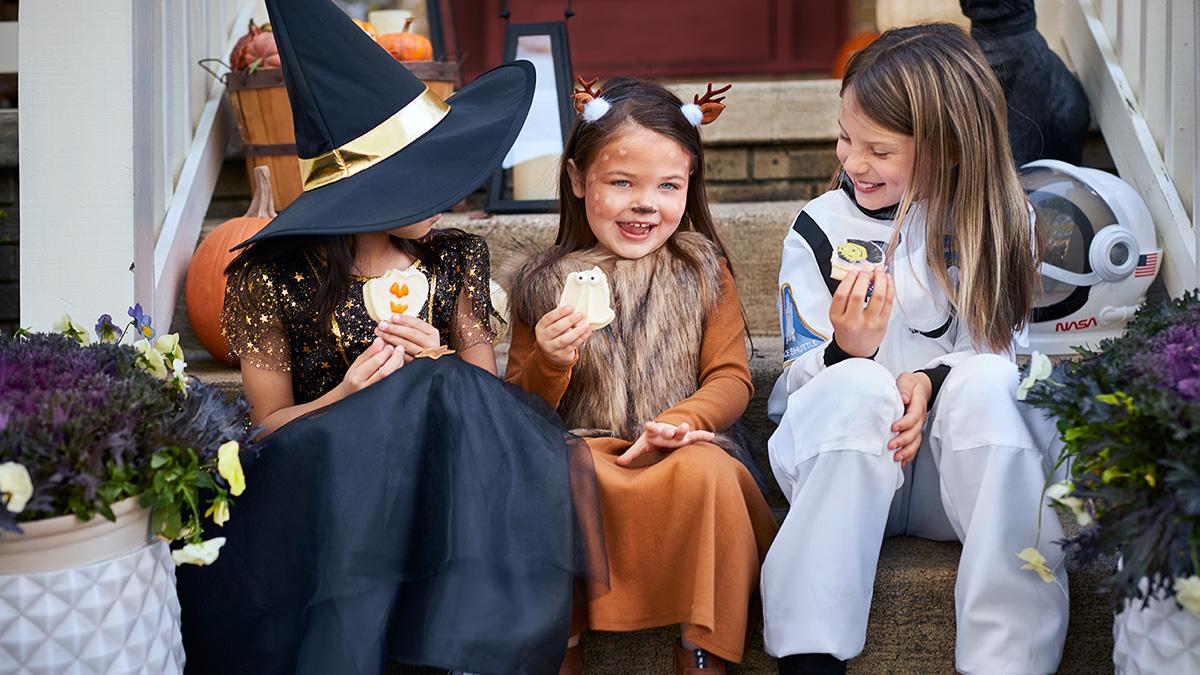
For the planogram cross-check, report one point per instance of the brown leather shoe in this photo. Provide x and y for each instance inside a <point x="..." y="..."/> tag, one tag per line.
<point x="573" y="662"/>
<point x="697" y="661"/>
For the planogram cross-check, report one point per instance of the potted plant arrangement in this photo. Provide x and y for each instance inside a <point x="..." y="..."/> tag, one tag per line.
<point x="108" y="452"/>
<point x="1129" y="417"/>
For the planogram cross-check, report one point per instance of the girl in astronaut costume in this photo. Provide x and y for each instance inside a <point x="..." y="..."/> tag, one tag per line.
<point x="896" y="406"/>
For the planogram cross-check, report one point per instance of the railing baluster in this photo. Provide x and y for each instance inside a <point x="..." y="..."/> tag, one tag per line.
<point x="1129" y="47"/>
<point x="1181" y="101"/>
<point x="1155" y="40"/>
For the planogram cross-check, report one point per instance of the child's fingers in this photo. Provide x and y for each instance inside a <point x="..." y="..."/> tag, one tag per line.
<point x="699" y="436"/>
<point x="369" y="368"/>
<point x="393" y="362"/>
<point x="912" y="415"/>
<point x="565" y="323"/>
<point x="639" y="447"/>
<point x="858" y="292"/>
<point x="841" y="297"/>
<point x="553" y="316"/>
<point x="908" y="452"/>
<point x="891" y="296"/>
<point x="880" y="294"/>
<point x="905" y="438"/>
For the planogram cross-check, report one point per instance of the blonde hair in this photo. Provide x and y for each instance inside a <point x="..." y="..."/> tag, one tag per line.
<point x="933" y="83"/>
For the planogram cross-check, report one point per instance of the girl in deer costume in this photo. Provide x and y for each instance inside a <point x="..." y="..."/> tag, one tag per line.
<point x="685" y="523"/>
<point x="897" y="404"/>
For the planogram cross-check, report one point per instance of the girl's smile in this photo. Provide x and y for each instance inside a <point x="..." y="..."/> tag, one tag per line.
<point x="877" y="160"/>
<point x="635" y="191"/>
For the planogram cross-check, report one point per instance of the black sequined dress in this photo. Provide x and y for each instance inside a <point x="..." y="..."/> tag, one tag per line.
<point x="438" y="517"/>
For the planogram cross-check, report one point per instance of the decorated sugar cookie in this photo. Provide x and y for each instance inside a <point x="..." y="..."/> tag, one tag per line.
<point x="396" y="292"/>
<point x="588" y="292"/>
<point x="855" y="255"/>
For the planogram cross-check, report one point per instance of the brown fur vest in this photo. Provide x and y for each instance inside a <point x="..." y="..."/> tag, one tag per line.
<point x="648" y="358"/>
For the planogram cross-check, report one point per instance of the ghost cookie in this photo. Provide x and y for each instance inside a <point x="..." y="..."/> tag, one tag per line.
<point x="396" y="292"/>
<point x="855" y="255"/>
<point x="587" y="292"/>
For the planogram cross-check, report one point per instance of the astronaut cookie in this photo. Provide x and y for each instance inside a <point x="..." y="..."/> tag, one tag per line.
<point x="588" y="293"/>
<point x="396" y="292"/>
<point x="854" y="255"/>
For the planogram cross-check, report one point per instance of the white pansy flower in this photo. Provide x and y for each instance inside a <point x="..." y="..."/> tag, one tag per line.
<point x="1060" y="492"/>
<point x="69" y="327"/>
<point x="204" y="553"/>
<point x="1187" y="593"/>
<point x="16" y="487"/>
<point x="1039" y="369"/>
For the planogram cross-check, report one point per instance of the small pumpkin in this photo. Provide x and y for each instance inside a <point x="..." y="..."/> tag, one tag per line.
<point x="406" y="45"/>
<point x="205" y="285"/>
<point x="255" y="49"/>
<point x="368" y="28"/>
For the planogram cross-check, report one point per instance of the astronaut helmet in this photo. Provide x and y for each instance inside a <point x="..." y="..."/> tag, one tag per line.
<point x="1100" y="255"/>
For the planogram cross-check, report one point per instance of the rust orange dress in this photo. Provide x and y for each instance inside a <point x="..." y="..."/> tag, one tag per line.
<point x="687" y="530"/>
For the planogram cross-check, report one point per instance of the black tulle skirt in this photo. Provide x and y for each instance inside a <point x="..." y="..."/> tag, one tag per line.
<point x="439" y="517"/>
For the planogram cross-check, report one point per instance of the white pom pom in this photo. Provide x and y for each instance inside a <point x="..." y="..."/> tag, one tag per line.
<point x="595" y="109"/>
<point x="692" y="112"/>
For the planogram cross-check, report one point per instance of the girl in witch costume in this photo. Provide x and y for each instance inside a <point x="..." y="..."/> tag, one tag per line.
<point x="898" y="412"/>
<point x="406" y="503"/>
<point x="685" y="523"/>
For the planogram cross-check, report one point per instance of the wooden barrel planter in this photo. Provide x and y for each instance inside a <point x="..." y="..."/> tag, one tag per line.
<point x="264" y="118"/>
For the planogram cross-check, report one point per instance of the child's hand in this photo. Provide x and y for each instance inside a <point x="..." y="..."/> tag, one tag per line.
<point x="375" y="363"/>
<point x="915" y="389"/>
<point x="560" y="333"/>
<point x="859" y="325"/>
<point x="409" y="333"/>
<point x="663" y="436"/>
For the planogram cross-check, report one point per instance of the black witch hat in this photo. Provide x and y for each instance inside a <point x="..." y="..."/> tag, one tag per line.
<point x="379" y="150"/>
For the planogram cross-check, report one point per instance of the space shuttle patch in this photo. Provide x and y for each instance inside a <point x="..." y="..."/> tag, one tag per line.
<point x="798" y="336"/>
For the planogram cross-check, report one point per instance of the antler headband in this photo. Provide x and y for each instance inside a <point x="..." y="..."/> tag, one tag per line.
<point x="591" y="105"/>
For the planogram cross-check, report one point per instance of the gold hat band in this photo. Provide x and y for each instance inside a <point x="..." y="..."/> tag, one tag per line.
<point x="391" y="136"/>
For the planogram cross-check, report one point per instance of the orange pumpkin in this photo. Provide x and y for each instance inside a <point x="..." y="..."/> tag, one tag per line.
<point x="205" y="286"/>
<point x="368" y="28"/>
<point x="407" y="46"/>
<point x="853" y="44"/>
<point x="257" y="46"/>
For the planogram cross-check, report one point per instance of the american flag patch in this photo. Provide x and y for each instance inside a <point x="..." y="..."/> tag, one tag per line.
<point x="1147" y="265"/>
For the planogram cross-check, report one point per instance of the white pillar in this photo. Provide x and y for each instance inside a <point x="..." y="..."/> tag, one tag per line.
<point x="87" y="236"/>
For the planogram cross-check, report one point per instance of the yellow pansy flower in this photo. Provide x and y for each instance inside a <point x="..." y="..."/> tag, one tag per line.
<point x="1040" y="368"/>
<point x="219" y="512"/>
<point x="1036" y="562"/>
<point x="168" y="346"/>
<point x="230" y="467"/>
<point x="151" y="360"/>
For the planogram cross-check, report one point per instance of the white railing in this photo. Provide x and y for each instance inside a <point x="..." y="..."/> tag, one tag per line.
<point x="1137" y="62"/>
<point x="120" y="147"/>
<point x="8" y="47"/>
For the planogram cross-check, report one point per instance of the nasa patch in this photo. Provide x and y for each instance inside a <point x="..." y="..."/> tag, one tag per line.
<point x="798" y="337"/>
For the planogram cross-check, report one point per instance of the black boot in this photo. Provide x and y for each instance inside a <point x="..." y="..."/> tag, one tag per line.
<point x="811" y="664"/>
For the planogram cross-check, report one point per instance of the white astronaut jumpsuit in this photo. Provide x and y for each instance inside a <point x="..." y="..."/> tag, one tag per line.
<point x="977" y="478"/>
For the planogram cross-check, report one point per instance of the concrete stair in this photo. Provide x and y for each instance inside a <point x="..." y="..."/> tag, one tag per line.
<point x="912" y="617"/>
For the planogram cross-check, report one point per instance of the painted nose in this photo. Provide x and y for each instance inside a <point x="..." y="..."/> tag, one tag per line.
<point x="644" y="209"/>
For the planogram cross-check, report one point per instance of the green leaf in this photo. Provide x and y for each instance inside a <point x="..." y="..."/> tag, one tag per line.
<point x="158" y="461"/>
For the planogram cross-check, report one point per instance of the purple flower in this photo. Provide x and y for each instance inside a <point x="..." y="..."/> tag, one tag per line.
<point x="141" y="321"/>
<point x="106" y="330"/>
<point x="1173" y="357"/>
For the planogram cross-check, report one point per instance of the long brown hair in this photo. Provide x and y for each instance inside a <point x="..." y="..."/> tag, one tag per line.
<point x="337" y="252"/>
<point x="650" y="106"/>
<point x="933" y="83"/>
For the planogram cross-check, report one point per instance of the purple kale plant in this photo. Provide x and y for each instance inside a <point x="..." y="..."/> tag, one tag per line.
<point x="92" y="428"/>
<point x="1129" y="417"/>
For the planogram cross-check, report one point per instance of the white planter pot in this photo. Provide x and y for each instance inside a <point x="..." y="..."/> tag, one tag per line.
<point x="88" y="597"/>
<point x="1162" y="638"/>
